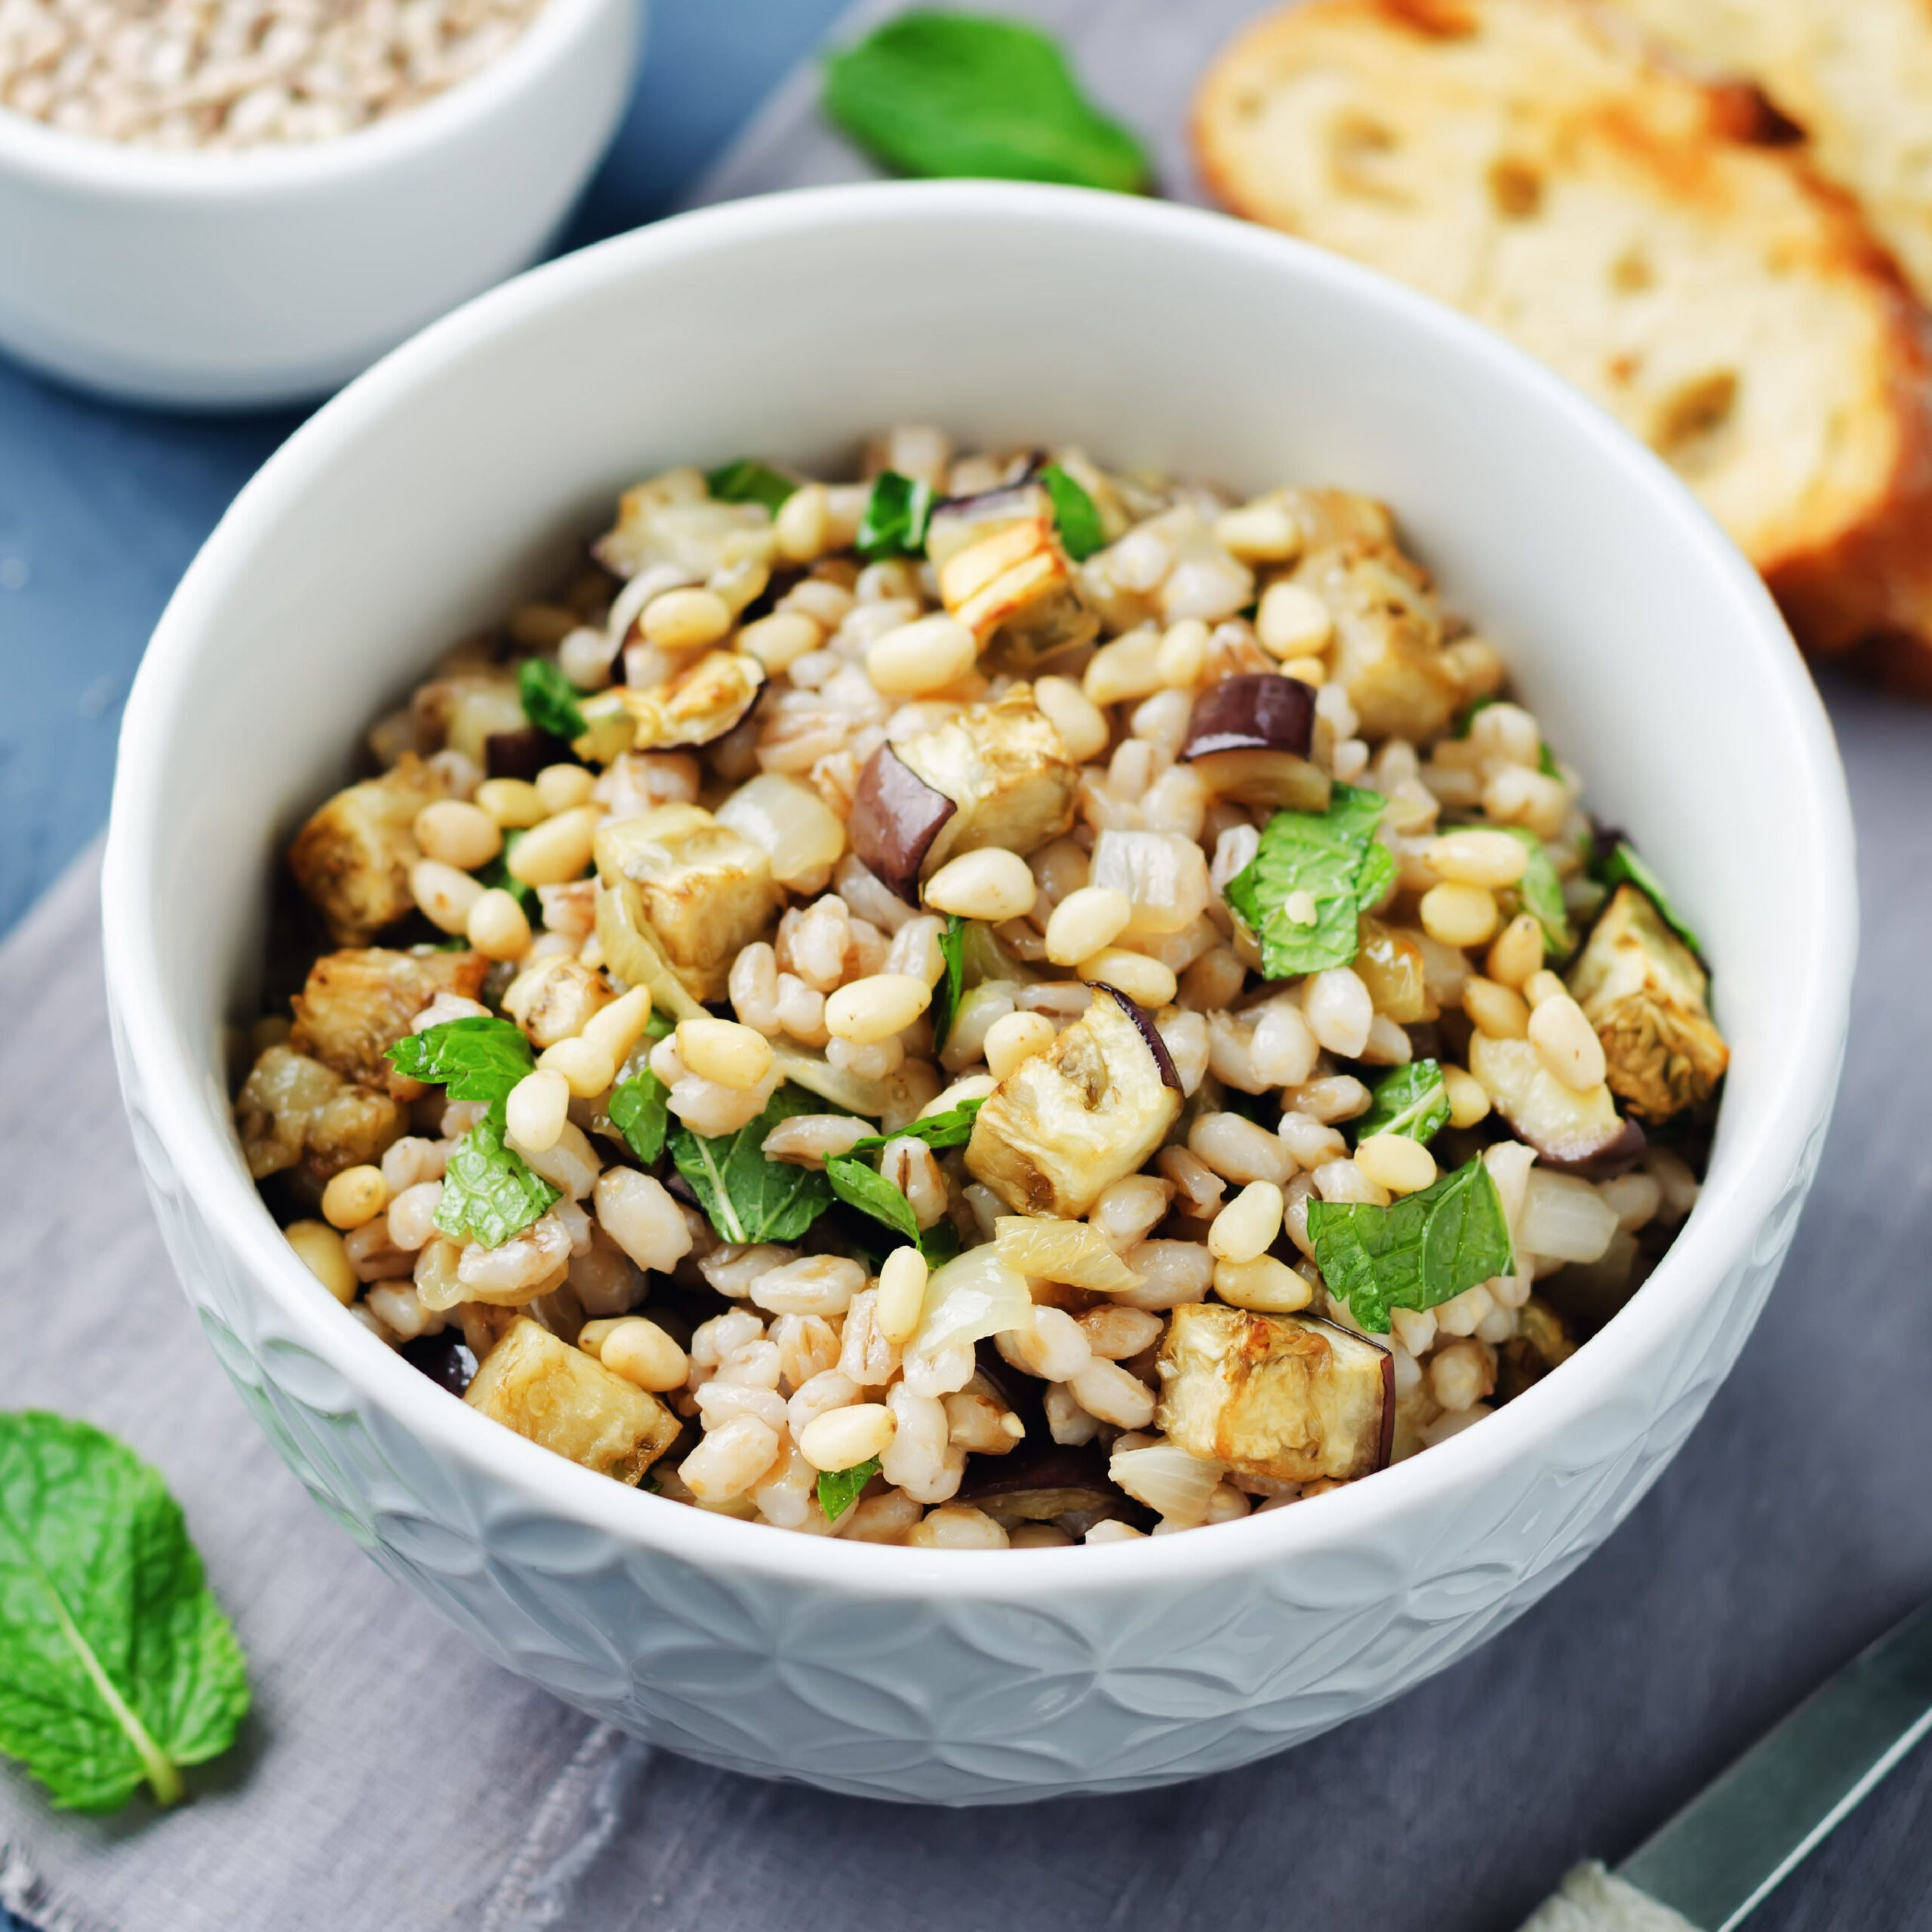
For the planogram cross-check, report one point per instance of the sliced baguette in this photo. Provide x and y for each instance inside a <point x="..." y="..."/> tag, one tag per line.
<point x="1536" y="166"/>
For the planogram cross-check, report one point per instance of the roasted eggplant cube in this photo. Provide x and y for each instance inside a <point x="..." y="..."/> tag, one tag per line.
<point x="352" y="858"/>
<point x="294" y="1111"/>
<point x="1004" y="576"/>
<point x="1569" y="1129"/>
<point x="1288" y="1397"/>
<point x="560" y="1398"/>
<point x="698" y="890"/>
<point x="357" y="1004"/>
<point x="1004" y="767"/>
<point x="896" y="816"/>
<point x="1067" y="1124"/>
<point x="1643" y="990"/>
<point x="701" y="703"/>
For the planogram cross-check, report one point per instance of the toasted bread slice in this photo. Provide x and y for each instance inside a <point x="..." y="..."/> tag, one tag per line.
<point x="1530" y="162"/>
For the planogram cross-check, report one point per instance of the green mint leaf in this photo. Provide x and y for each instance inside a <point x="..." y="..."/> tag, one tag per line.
<point x="1412" y="1100"/>
<point x="838" y="1489"/>
<point x="747" y="1198"/>
<point x="939" y="1244"/>
<point x="498" y="875"/>
<point x="953" y="1128"/>
<point x="951" y="982"/>
<point x="863" y="1187"/>
<point x="117" y="1666"/>
<point x="895" y="521"/>
<point x="1080" y="533"/>
<point x="748" y="481"/>
<point x="1624" y="865"/>
<point x="489" y="1191"/>
<point x="640" y="1111"/>
<point x="473" y="1058"/>
<point x="1546" y="761"/>
<point x="1541" y="893"/>
<point x="1460" y="729"/>
<point x="550" y="699"/>
<point x="937" y="94"/>
<point x="1334" y="857"/>
<point x="1420" y="1250"/>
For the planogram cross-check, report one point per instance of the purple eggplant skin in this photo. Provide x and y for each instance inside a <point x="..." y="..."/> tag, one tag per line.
<point x="1157" y="1046"/>
<point x="1038" y="1482"/>
<point x="1386" y="1447"/>
<point x="523" y="754"/>
<point x="896" y="816"/>
<point x="444" y="1358"/>
<point x="1260" y="711"/>
<point x="1614" y="1157"/>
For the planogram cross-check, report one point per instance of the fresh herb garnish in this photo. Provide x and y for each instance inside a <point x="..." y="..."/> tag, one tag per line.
<point x="1546" y="758"/>
<point x="939" y="1244"/>
<point x="894" y="524"/>
<point x="1080" y="533"/>
<point x="938" y="94"/>
<point x="953" y="1128"/>
<point x="640" y="1110"/>
<point x="1413" y="1100"/>
<point x="859" y="1185"/>
<point x="117" y="1666"/>
<point x="951" y="982"/>
<point x="1624" y="865"/>
<point x="497" y="875"/>
<point x="838" y="1489"/>
<point x="748" y="481"/>
<point x="1334" y="858"/>
<point x="749" y="1197"/>
<point x="473" y="1058"/>
<point x="490" y="1192"/>
<point x="1541" y="893"/>
<point x="550" y="699"/>
<point x="1418" y="1251"/>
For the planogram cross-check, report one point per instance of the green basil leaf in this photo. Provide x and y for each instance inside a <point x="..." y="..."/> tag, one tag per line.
<point x="641" y="1112"/>
<point x="117" y="1666"/>
<point x="1335" y="857"/>
<point x="939" y="1244"/>
<point x="839" y="1489"/>
<point x="748" y="481"/>
<point x="489" y="1191"/>
<point x="953" y="1128"/>
<point x="1080" y="533"/>
<point x="1412" y="1100"/>
<point x="747" y="1198"/>
<point x="951" y="982"/>
<point x="1540" y="892"/>
<point x="863" y="1187"/>
<point x="894" y="524"/>
<point x="937" y="94"/>
<point x="1417" y="1252"/>
<point x="550" y="699"/>
<point x="1625" y="865"/>
<point x="473" y="1058"/>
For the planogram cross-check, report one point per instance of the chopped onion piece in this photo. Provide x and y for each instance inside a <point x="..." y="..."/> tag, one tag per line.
<point x="817" y="1074"/>
<point x="1168" y="1480"/>
<point x="974" y="1297"/>
<point x="1164" y="875"/>
<point x="1566" y="1219"/>
<point x="791" y="824"/>
<point x="1067" y="1251"/>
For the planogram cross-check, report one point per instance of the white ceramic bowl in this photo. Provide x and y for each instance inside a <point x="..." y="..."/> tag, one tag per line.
<point x="275" y="273"/>
<point x="433" y="490"/>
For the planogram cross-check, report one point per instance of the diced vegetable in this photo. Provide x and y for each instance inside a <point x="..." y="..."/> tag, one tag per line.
<point x="352" y="858"/>
<point x="293" y="1109"/>
<point x="1392" y="964"/>
<point x="1288" y="1396"/>
<point x="975" y="1296"/>
<point x="714" y="696"/>
<point x="1040" y="1479"/>
<point x="358" y="1004"/>
<point x="1260" y="712"/>
<point x="1164" y="875"/>
<point x="1072" y="1252"/>
<point x="791" y="824"/>
<point x="1331" y="864"/>
<point x="896" y="816"/>
<point x="1003" y="572"/>
<point x="1564" y="1219"/>
<point x="1563" y="1125"/>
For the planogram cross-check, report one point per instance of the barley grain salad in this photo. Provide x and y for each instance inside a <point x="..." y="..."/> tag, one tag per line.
<point x="999" y="1004"/>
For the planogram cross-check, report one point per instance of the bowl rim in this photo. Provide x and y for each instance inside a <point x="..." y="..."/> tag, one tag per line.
<point x="1763" y="1155"/>
<point x="56" y="157"/>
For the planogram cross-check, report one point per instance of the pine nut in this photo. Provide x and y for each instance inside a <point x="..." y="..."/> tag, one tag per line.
<point x="497" y="927"/>
<point x="1262" y="532"/>
<point x="558" y="849"/>
<point x="1517" y="952"/>
<point x="1081" y="723"/>
<point x="588" y="1071"/>
<point x="1247" y="1227"/>
<point x="1541" y="986"/>
<point x="511" y="802"/>
<point x="1310" y="671"/>
<point x="354" y="1196"/>
<point x="1125" y="669"/>
<point x="734" y="1056"/>
<point x="458" y="834"/>
<point x="1146" y="982"/>
<point x="1395" y="1162"/>
<point x="320" y="1251"/>
<point x="1500" y="1011"/>
<point x="1471" y="856"/>
<point x="843" y="1439"/>
<point x="635" y="1348"/>
<point x="1086" y="921"/>
<point x="561" y="786"/>
<point x="1014" y="1038"/>
<point x="1264" y="1286"/>
<point x="444" y="894"/>
<point x="1566" y="1044"/>
<point x="901" y="1294"/>
<point x="1469" y="1102"/>
<point x="780" y="641"/>
<point x="683" y="619"/>
<point x="875" y="1007"/>
<point x="991" y="884"/>
<point x="616" y="1028"/>
<point x="800" y="524"/>
<point x="926" y="655"/>
<point x="1459" y="916"/>
<point x="1293" y="622"/>
<point x="538" y="1106"/>
<point x="1182" y="656"/>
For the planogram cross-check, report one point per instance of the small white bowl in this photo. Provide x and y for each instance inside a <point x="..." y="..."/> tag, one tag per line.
<point x="274" y="274"/>
<point x="428" y="496"/>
